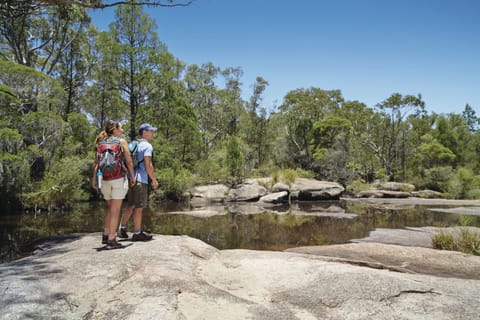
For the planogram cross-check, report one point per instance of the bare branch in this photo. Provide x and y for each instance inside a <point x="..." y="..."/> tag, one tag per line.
<point x="101" y="5"/>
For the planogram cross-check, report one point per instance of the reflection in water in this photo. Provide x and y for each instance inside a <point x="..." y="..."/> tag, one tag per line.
<point x="245" y="225"/>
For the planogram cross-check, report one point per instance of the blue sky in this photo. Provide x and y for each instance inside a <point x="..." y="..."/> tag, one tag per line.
<point x="368" y="49"/>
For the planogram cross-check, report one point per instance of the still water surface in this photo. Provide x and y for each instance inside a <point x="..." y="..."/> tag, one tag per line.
<point x="245" y="226"/>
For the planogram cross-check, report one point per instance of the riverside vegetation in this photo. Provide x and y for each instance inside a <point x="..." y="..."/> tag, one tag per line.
<point x="61" y="79"/>
<point x="466" y="241"/>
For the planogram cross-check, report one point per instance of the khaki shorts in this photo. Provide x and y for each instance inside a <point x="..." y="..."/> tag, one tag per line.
<point x="138" y="195"/>
<point x="114" y="189"/>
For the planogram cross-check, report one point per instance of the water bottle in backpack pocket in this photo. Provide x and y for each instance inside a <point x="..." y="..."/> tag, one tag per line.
<point x="99" y="179"/>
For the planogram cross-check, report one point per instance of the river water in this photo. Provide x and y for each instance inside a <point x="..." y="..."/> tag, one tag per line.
<point x="235" y="226"/>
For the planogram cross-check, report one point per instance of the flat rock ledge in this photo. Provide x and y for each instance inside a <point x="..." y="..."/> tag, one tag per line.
<point x="178" y="277"/>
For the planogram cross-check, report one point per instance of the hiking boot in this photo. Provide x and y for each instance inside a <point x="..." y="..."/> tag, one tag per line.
<point x="122" y="233"/>
<point x="104" y="238"/>
<point x="141" y="237"/>
<point x="113" y="244"/>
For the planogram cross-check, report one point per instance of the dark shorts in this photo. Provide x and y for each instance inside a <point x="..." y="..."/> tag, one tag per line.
<point x="138" y="195"/>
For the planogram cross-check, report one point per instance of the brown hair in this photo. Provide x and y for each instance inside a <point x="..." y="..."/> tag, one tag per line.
<point x="107" y="131"/>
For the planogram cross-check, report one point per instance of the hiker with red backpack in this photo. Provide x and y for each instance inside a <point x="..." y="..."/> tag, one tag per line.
<point x="109" y="175"/>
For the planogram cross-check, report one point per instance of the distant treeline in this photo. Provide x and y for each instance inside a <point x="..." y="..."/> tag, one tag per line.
<point x="61" y="79"/>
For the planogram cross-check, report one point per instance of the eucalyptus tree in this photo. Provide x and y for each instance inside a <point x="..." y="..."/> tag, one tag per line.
<point x="301" y="109"/>
<point x="36" y="35"/>
<point x="102" y="98"/>
<point x="177" y="131"/>
<point x="452" y="131"/>
<point x="19" y="80"/>
<point x="389" y="141"/>
<point x="133" y="29"/>
<point x="17" y="42"/>
<point x="255" y="127"/>
<point x="74" y="67"/>
<point x="203" y="95"/>
<point x="230" y="100"/>
<point x="42" y="37"/>
<point x="355" y="156"/>
<point x="329" y="147"/>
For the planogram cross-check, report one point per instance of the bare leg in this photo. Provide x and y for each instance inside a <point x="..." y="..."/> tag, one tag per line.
<point x="106" y="226"/>
<point x="127" y="213"/>
<point x="115" y="206"/>
<point x="137" y="218"/>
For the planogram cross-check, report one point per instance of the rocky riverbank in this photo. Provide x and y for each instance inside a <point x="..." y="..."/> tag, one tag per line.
<point x="178" y="277"/>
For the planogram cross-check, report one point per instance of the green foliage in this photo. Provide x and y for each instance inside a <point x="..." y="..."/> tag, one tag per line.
<point x="464" y="185"/>
<point x="288" y="176"/>
<point x="328" y="130"/>
<point x="173" y="184"/>
<point x="8" y="104"/>
<point x="436" y="179"/>
<point x="357" y="186"/>
<point x="434" y="154"/>
<point x="210" y="171"/>
<point x="444" y="241"/>
<point x="381" y="174"/>
<point x="235" y="160"/>
<point x="301" y="110"/>
<point x="466" y="241"/>
<point x="62" y="185"/>
<point x="302" y="173"/>
<point x="14" y="163"/>
<point x="34" y="90"/>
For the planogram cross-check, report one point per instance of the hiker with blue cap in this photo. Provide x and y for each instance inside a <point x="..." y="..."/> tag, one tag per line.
<point x="137" y="197"/>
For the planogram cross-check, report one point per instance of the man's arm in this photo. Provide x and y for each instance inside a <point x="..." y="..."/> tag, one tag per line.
<point x="150" y="172"/>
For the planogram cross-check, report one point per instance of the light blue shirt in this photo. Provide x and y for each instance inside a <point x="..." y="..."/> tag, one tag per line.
<point x="145" y="149"/>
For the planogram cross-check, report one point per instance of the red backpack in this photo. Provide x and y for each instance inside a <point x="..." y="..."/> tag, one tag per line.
<point x="109" y="157"/>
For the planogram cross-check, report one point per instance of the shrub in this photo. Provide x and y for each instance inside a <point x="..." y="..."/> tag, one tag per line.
<point x="62" y="185"/>
<point x="288" y="176"/>
<point x="357" y="186"/>
<point x="464" y="184"/>
<point x="209" y="171"/>
<point x="443" y="241"/>
<point x="173" y="184"/>
<point x="466" y="241"/>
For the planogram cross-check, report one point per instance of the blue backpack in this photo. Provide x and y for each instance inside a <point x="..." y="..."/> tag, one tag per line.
<point x="133" y="148"/>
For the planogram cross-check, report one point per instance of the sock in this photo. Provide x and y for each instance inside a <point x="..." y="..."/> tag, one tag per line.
<point x="137" y="231"/>
<point x="123" y="226"/>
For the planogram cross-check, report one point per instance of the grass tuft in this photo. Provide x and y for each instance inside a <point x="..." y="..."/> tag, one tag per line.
<point x="466" y="241"/>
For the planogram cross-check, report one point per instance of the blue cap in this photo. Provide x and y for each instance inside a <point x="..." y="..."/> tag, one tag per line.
<point x="146" y="126"/>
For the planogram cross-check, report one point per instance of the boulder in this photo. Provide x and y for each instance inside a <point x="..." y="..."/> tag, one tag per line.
<point x="280" y="186"/>
<point x="208" y="193"/>
<point x="246" y="192"/>
<point x="428" y="194"/>
<point x="397" y="186"/>
<point x="374" y="193"/>
<point x="277" y="197"/>
<point x="448" y="264"/>
<point x="311" y="189"/>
